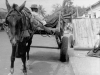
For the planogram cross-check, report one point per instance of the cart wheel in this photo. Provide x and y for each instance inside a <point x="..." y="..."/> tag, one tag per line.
<point x="63" y="51"/>
<point x="71" y="42"/>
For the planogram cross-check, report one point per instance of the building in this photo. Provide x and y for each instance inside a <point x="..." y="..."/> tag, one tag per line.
<point x="93" y="11"/>
<point x="3" y="13"/>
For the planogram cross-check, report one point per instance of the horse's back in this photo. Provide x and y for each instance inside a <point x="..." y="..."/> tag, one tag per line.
<point x="26" y="20"/>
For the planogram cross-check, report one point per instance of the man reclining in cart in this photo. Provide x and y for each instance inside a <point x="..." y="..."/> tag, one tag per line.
<point x="37" y="20"/>
<point x="36" y="16"/>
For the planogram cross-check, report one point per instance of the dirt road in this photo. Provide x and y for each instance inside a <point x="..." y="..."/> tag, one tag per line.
<point x="44" y="57"/>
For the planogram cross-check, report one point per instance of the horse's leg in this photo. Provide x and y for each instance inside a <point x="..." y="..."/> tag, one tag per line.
<point x="24" y="64"/>
<point x="28" y="49"/>
<point x="12" y="60"/>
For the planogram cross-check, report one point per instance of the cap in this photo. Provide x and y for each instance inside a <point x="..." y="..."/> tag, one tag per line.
<point x="34" y="6"/>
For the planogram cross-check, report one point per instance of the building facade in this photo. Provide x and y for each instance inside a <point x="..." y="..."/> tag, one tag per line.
<point x="93" y="11"/>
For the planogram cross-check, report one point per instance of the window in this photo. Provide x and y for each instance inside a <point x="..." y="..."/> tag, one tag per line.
<point x="89" y="15"/>
<point x="94" y="15"/>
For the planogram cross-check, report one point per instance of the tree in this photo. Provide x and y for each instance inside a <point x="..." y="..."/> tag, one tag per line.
<point x="65" y="6"/>
<point x="56" y="8"/>
<point x="42" y="10"/>
<point x="68" y="7"/>
<point x="68" y="2"/>
<point x="81" y="10"/>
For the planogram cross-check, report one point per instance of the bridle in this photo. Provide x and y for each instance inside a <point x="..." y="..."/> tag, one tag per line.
<point x="7" y="28"/>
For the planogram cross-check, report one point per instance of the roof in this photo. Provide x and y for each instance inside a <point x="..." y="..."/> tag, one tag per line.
<point x="3" y="13"/>
<point x="3" y="10"/>
<point x="93" y="6"/>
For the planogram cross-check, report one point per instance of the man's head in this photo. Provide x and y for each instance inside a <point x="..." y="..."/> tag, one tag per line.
<point x="34" y="7"/>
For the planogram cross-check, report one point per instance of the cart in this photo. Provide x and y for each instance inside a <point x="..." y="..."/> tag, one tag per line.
<point x="64" y="40"/>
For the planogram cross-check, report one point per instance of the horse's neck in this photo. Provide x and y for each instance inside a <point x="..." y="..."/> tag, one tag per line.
<point x="25" y="19"/>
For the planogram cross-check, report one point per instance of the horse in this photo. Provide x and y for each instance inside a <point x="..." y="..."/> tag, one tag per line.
<point x="20" y="32"/>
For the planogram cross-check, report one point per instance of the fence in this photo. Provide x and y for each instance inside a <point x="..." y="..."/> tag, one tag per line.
<point x="85" y="32"/>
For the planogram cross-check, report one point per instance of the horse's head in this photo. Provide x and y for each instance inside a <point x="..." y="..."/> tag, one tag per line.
<point x="14" y="21"/>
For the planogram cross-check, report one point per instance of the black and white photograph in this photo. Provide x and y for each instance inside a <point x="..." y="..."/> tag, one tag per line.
<point x="49" y="37"/>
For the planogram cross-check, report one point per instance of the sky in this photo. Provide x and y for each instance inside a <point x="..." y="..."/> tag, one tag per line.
<point x="47" y="4"/>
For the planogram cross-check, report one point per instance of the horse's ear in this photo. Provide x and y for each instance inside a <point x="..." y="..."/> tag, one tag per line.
<point x="8" y="5"/>
<point x="22" y="6"/>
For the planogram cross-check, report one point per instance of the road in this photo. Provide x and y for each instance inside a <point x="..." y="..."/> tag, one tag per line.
<point x="44" y="57"/>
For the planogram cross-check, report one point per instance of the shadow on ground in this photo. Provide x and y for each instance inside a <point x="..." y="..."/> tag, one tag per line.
<point x="45" y="56"/>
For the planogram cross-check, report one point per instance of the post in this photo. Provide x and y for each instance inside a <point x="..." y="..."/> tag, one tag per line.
<point x="77" y="11"/>
<point x="91" y="11"/>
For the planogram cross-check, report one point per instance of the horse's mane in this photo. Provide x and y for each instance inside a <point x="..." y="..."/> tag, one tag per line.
<point x="15" y="6"/>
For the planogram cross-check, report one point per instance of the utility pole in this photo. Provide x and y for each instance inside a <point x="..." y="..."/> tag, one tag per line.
<point x="77" y="11"/>
<point x="91" y="11"/>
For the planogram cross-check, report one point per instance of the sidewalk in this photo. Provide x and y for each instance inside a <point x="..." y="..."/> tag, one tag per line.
<point x="83" y="64"/>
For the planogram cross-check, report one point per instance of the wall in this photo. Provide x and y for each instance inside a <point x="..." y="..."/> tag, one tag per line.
<point x="85" y="32"/>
